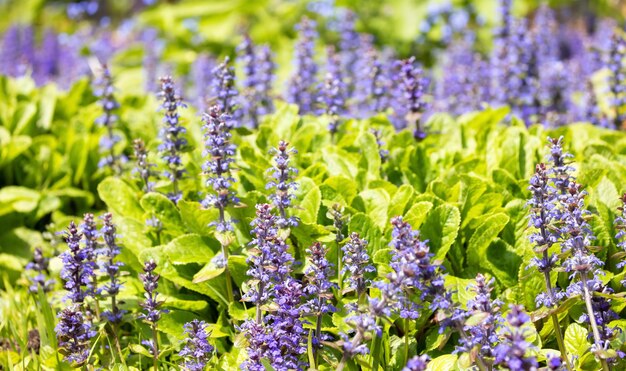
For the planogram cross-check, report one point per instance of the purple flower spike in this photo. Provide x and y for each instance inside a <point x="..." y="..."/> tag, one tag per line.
<point x="143" y="167"/>
<point x="333" y="92"/>
<point x="110" y="251"/>
<point x="151" y="305"/>
<point x="511" y="352"/>
<point x="318" y="288"/>
<point x="408" y="98"/>
<point x="108" y="119"/>
<point x="78" y="267"/>
<point x="485" y="334"/>
<point x="356" y="263"/>
<point x="283" y="183"/>
<point x="74" y="333"/>
<point x="372" y="87"/>
<point x="223" y="89"/>
<point x="39" y="265"/>
<point x="258" y="68"/>
<point x="172" y="136"/>
<point x="617" y="79"/>
<point x="302" y="85"/>
<point x="197" y="350"/>
<point x="219" y="152"/>
<point x="543" y="216"/>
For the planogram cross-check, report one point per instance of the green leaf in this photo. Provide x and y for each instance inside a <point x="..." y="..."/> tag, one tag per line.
<point x="445" y="362"/>
<point x="441" y="228"/>
<point x="196" y="218"/>
<point x="120" y="198"/>
<point x="575" y="339"/>
<point x="374" y="203"/>
<point x="209" y="271"/>
<point x="238" y="267"/>
<point x="156" y="204"/>
<point x="309" y="197"/>
<point x="400" y="201"/>
<point x="418" y="213"/>
<point x="486" y="232"/>
<point x="190" y="248"/>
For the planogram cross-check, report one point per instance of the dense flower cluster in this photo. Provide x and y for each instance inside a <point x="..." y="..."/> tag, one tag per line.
<point x="74" y="333"/>
<point x="483" y="335"/>
<point x="356" y="263"/>
<point x="318" y="288"/>
<point x="512" y="351"/>
<point x="172" y="136"/>
<point x="78" y="267"/>
<point x="219" y="151"/>
<point x="408" y="103"/>
<point x="282" y="181"/>
<point x="197" y="350"/>
<point x="543" y="215"/>
<point x="279" y="336"/>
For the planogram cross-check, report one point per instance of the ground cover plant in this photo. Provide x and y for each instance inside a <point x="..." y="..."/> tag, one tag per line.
<point x="201" y="188"/>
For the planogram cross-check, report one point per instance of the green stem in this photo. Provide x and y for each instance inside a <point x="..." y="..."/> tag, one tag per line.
<point x="406" y="340"/>
<point x="592" y="318"/>
<point x="376" y="348"/>
<point x="560" y="342"/>
<point x="345" y="357"/>
<point x="318" y="335"/>
<point x="155" y="348"/>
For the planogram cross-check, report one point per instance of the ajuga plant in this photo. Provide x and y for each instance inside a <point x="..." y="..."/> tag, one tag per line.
<point x="258" y="68"/>
<point x="282" y="182"/>
<point x="152" y="306"/>
<point x="302" y="84"/>
<point x="74" y="334"/>
<point x="278" y="336"/>
<point x="108" y="119"/>
<point x="513" y="351"/>
<point x="356" y="265"/>
<point x="576" y="236"/>
<point x="318" y="290"/>
<point x="111" y="267"/>
<point x="219" y="152"/>
<point x="39" y="277"/>
<point x="333" y="92"/>
<point x="197" y="350"/>
<point x="224" y="93"/>
<point x="143" y="168"/>
<point x="78" y="267"/>
<point x="172" y="137"/>
<point x="408" y="97"/>
<point x="617" y="78"/>
<point x="544" y="217"/>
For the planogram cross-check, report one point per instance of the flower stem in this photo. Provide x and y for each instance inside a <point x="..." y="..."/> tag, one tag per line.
<point x="225" y="253"/>
<point x="318" y="335"/>
<point x="555" y="318"/>
<point x="592" y="318"/>
<point x="155" y="348"/>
